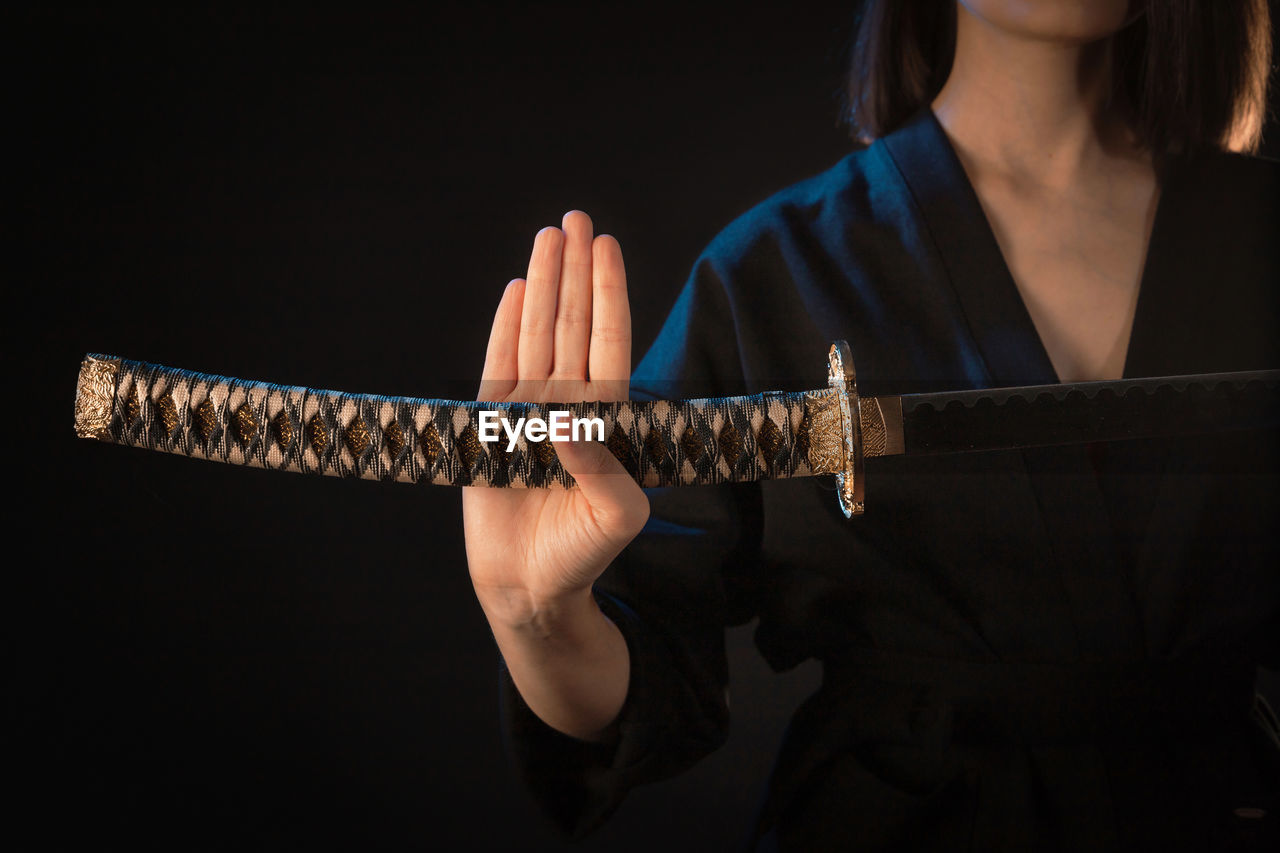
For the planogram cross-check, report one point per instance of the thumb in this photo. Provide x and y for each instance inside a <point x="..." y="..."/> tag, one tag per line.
<point x="617" y="501"/>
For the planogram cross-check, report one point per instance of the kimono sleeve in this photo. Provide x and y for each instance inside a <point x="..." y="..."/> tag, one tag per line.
<point x="671" y="593"/>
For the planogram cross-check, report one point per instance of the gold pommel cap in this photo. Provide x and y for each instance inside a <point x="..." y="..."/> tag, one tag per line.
<point x="95" y="397"/>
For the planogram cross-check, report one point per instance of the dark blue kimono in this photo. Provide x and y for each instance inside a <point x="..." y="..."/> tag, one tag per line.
<point x="1041" y="649"/>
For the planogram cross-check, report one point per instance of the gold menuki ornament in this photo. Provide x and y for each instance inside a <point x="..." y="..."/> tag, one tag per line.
<point x="701" y="441"/>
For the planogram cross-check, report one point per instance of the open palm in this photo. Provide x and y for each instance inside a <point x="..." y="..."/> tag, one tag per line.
<point x="562" y="334"/>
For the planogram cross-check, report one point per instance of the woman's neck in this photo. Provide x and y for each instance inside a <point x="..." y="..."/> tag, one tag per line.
<point x="1031" y="110"/>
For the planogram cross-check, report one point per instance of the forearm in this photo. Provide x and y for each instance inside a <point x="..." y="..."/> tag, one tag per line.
<point x="569" y="662"/>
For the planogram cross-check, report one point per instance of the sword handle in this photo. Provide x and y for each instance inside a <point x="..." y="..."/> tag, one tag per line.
<point x="701" y="441"/>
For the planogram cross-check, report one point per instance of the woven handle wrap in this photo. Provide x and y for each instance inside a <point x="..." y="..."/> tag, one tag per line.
<point x="287" y="428"/>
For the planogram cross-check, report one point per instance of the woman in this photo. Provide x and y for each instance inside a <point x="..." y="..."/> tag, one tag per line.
<point x="1051" y="648"/>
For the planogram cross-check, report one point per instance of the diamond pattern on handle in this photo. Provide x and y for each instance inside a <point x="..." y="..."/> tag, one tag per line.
<point x="659" y="443"/>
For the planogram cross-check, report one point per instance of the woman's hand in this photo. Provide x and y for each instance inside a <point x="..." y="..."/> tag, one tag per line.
<point x="562" y="334"/>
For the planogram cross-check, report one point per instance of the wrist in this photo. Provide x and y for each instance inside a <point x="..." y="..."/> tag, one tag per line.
<point x="531" y="615"/>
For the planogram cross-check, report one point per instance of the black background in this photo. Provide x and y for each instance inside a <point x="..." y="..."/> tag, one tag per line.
<point x="207" y="656"/>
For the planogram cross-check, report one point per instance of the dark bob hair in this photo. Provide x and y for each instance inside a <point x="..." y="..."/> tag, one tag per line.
<point x="1191" y="73"/>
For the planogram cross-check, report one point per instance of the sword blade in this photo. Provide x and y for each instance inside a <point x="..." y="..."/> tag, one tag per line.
<point x="1078" y="413"/>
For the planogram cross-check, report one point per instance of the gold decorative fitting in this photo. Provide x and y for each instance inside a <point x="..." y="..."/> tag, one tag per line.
<point x="356" y="436"/>
<point x="620" y="446"/>
<point x="167" y="412"/>
<point x="654" y="447"/>
<point x="691" y="444"/>
<point x="431" y="444"/>
<point x="468" y="446"/>
<point x="544" y="452"/>
<point x="501" y="456"/>
<point x="822" y="412"/>
<point x="730" y="444"/>
<point x="770" y="440"/>
<point x="318" y="433"/>
<point x="132" y="406"/>
<point x="874" y="439"/>
<point x="246" y="424"/>
<point x="393" y="437"/>
<point x="844" y="389"/>
<point x="205" y="417"/>
<point x="95" y="396"/>
<point x="282" y="426"/>
<point x="881" y="422"/>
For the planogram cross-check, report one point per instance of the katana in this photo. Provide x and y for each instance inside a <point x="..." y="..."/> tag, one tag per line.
<point x="771" y="435"/>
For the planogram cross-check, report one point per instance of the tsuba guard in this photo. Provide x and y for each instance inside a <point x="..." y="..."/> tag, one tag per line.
<point x="843" y="380"/>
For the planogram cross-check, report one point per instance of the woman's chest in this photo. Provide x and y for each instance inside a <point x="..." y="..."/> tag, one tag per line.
<point x="1077" y="260"/>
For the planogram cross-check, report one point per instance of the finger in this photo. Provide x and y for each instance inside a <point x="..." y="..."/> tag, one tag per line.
<point x="573" y="306"/>
<point x="617" y="502"/>
<point x="499" y="376"/>
<point x="610" y="351"/>
<point x="538" y="318"/>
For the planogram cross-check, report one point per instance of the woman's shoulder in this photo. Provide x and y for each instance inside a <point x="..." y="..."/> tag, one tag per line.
<point x="814" y="210"/>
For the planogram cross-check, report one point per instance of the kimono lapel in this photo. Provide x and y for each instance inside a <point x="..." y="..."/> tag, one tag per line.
<point x="998" y="321"/>
<point x="1185" y="323"/>
<point x="1063" y="481"/>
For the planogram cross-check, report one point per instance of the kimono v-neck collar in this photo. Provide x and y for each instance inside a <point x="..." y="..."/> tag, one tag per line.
<point x="997" y="317"/>
<point x="993" y="307"/>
